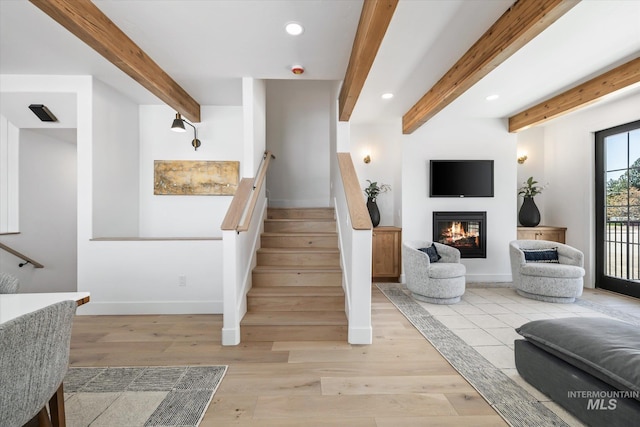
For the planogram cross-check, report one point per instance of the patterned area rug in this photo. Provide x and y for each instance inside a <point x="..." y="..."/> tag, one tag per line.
<point x="516" y="405"/>
<point x="140" y="396"/>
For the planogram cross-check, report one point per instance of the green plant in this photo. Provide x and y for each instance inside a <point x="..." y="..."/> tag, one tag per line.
<point x="530" y="189"/>
<point x="373" y="190"/>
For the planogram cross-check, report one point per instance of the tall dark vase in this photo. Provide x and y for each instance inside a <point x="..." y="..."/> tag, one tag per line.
<point x="374" y="212"/>
<point x="529" y="215"/>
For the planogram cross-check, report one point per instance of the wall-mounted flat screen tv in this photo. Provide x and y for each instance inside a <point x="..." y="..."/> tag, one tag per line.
<point x="461" y="178"/>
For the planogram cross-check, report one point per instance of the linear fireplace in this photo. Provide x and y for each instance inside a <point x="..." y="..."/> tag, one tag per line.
<point x="465" y="231"/>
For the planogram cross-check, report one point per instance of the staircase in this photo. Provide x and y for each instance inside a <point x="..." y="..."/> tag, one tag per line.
<point x="297" y="283"/>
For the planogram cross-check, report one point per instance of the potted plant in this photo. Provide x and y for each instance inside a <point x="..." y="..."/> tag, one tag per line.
<point x="529" y="215"/>
<point x="372" y="192"/>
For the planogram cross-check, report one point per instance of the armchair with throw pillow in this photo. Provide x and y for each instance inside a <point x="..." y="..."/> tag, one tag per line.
<point x="433" y="271"/>
<point x="546" y="271"/>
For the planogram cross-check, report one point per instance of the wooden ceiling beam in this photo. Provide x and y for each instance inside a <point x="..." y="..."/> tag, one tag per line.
<point x="374" y="21"/>
<point x="89" y="24"/>
<point x="524" y="20"/>
<point x="580" y="96"/>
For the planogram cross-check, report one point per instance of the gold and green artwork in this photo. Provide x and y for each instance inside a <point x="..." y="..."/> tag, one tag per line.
<point x="195" y="178"/>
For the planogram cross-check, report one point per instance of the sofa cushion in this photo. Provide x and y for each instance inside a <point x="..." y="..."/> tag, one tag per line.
<point x="446" y="270"/>
<point x="547" y="255"/>
<point x="434" y="256"/>
<point x="552" y="270"/>
<point x="605" y="348"/>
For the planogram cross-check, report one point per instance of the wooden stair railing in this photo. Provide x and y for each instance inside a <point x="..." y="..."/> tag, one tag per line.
<point x="23" y="257"/>
<point x="240" y="212"/>
<point x="360" y="219"/>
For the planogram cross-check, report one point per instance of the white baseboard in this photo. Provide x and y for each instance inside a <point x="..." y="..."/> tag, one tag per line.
<point x="150" y="307"/>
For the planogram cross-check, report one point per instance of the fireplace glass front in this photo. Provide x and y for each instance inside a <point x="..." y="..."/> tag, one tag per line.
<point x="465" y="231"/>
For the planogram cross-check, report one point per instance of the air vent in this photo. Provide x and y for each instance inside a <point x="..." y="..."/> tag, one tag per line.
<point x="43" y="113"/>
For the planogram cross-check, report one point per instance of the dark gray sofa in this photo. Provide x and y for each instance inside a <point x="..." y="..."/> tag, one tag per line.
<point x="589" y="366"/>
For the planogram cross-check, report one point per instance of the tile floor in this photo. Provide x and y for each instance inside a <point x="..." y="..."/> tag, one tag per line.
<point x="488" y="314"/>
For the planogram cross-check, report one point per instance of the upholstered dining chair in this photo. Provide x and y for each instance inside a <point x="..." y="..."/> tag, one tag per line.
<point x="34" y="358"/>
<point x="9" y="284"/>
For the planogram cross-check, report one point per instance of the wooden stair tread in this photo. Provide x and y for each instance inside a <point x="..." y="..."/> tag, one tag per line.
<point x="300" y="213"/>
<point x="300" y="220"/>
<point x="297" y="285"/>
<point x="306" y="291"/>
<point x="299" y="250"/>
<point x="293" y="318"/>
<point x="295" y="268"/>
<point x="299" y="233"/>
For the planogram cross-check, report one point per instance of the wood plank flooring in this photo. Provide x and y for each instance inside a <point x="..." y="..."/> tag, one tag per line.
<point x="399" y="380"/>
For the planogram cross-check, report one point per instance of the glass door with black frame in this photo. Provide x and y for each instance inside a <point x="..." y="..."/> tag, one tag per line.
<point x="618" y="209"/>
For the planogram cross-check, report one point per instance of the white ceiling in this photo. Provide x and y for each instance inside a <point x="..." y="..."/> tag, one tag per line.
<point x="207" y="46"/>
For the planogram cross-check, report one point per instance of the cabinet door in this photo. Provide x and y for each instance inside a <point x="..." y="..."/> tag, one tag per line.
<point x="527" y="234"/>
<point x="542" y="233"/>
<point x="552" y="235"/>
<point x="385" y="253"/>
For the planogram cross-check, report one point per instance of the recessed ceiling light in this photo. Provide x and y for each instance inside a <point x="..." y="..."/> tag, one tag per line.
<point x="492" y="97"/>
<point x="294" y="28"/>
<point x="387" y="95"/>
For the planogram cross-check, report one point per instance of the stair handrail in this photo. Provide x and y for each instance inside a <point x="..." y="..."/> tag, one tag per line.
<point x="244" y="201"/>
<point x="358" y="213"/>
<point x="23" y="257"/>
<point x="240" y="238"/>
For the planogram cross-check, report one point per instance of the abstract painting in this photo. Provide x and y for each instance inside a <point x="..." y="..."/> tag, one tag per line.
<point x="195" y="178"/>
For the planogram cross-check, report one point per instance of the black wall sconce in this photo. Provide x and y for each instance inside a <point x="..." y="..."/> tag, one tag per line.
<point x="178" y="126"/>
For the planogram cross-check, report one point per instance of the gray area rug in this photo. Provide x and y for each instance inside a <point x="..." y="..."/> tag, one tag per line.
<point x="516" y="405"/>
<point x="608" y="311"/>
<point x="140" y="396"/>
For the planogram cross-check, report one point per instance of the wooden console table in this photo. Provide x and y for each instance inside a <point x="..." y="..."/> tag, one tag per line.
<point x="542" y="232"/>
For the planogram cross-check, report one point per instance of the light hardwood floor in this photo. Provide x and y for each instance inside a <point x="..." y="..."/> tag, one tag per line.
<point x="399" y="380"/>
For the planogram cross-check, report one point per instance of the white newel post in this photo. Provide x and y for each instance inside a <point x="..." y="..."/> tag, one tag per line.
<point x="230" y="286"/>
<point x="360" y="330"/>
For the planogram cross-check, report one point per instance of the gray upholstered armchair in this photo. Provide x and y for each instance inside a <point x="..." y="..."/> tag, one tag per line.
<point x="8" y="284"/>
<point x="440" y="282"/>
<point x="34" y="357"/>
<point x="557" y="281"/>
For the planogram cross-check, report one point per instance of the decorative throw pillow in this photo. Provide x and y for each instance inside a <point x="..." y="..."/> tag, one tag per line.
<point x="549" y="255"/>
<point x="434" y="256"/>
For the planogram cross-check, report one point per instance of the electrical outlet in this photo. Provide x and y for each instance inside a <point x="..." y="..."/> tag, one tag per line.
<point x="182" y="281"/>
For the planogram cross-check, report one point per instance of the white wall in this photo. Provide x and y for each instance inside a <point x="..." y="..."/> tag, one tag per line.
<point x="449" y="137"/>
<point x="9" y="193"/>
<point x="144" y="276"/>
<point x="221" y="134"/>
<point x="299" y="135"/>
<point x="383" y="144"/>
<point x="116" y="170"/>
<point x="531" y="143"/>
<point x="47" y="175"/>
<point x="569" y="165"/>
<point x="81" y="87"/>
<point x="254" y="100"/>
